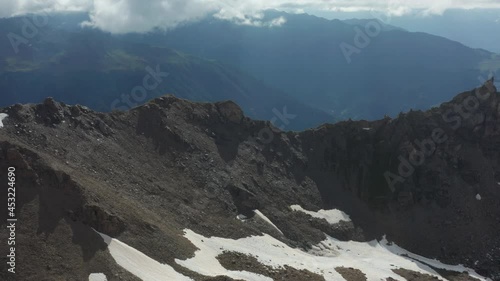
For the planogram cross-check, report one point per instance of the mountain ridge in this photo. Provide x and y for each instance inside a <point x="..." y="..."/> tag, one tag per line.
<point x="146" y="174"/>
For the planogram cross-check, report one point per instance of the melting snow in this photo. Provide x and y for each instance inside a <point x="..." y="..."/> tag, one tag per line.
<point x="375" y="259"/>
<point x="97" y="277"/>
<point x="205" y="261"/>
<point x="241" y="217"/>
<point x="139" y="264"/>
<point x="266" y="219"/>
<point x="432" y="262"/>
<point x="2" y="116"/>
<point x="331" y="216"/>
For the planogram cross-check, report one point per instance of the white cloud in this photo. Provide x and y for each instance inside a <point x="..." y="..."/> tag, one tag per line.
<point x="277" y="22"/>
<point x="10" y="8"/>
<point x="120" y="16"/>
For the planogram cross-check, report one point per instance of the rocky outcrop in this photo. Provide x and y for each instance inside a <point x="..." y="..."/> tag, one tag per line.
<point x="230" y="111"/>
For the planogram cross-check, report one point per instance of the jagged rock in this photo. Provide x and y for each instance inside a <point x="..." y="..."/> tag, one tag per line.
<point x="51" y="112"/>
<point x="101" y="220"/>
<point x="230" y="111"/>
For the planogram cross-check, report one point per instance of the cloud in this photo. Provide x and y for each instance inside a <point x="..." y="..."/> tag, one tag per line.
<point x="277" y="22"/>
<point x="120" y="16"/>
<point x="9" y="8"/>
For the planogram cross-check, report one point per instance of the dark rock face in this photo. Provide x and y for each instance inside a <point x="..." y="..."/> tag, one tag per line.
<point x="244" y="200"/>
<point x="230" y="111"/>
<point x="101" y="220"/>
<point x="426" y="179"/>
<point x="147" y="174"/>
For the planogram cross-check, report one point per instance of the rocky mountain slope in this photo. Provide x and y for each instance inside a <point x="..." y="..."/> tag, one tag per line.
<point x="173" y="176"/>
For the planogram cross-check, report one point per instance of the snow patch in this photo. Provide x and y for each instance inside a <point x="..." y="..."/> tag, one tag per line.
<point x="241" y="217"/>
<point x="2" y="116"/>
<point x="266" y="219"/>
<point x="139" y="264"/>
<point x="331" y="216"/>
<point x="375" y="259"/>
<point x="432" y="262"/>
<point x="97" y="277"/>
<point x="205" y="261"/>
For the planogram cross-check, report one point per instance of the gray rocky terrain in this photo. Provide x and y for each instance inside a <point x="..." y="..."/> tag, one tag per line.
<point x="145" y="175"/>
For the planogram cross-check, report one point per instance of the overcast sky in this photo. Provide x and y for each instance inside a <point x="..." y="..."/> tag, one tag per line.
<point x="119" y="16"/>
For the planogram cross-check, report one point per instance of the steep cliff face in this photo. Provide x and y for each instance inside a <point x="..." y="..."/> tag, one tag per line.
<point x="429" y="180"/>
<point x="147" y="174"/>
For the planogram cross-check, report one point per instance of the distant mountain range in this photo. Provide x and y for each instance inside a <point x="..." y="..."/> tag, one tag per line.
<point x="320" y="70"/>
<point x="103" y="72"/>
<point x="396" y="70"/>
<point x="475" y="28"/>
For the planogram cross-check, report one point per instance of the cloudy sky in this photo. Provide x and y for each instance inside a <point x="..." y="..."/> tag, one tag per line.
<point x="120" y="16"/>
